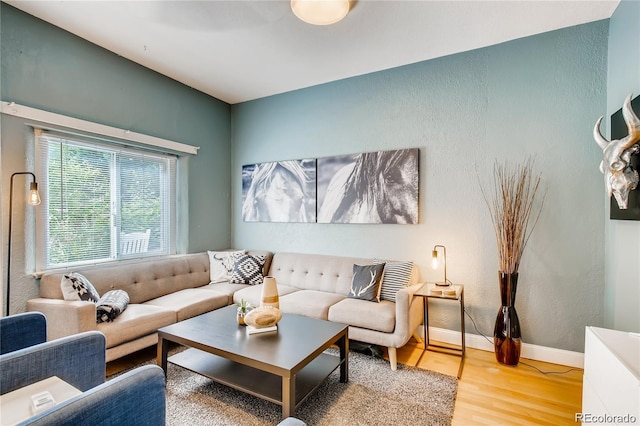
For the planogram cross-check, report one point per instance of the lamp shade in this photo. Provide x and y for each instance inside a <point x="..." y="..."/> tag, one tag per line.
<point x="320" y="12"/>
<point x="34" y="196"/>
<point x="435" y="262"/>
<point x="434" y="259"/>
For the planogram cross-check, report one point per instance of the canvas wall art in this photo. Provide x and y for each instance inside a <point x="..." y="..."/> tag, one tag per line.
<point x="282" y="191"/>
<point x="371" y="187"/>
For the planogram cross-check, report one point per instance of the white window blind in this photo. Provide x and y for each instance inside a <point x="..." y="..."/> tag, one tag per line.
<point x="102" y="202"/>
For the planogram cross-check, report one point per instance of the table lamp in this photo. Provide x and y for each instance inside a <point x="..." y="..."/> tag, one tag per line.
<point x="435" y="262"/>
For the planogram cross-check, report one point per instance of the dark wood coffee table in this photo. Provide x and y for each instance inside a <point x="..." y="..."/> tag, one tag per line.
<point x="283" y="367"/>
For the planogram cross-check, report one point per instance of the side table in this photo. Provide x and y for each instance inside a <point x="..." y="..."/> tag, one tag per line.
<point x="451" y="292"/>
<point x="16" y="405"/>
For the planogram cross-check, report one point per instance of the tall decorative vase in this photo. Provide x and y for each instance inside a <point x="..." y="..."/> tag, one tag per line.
<point x="506" y="333"/>
<point x="270" y="293"/>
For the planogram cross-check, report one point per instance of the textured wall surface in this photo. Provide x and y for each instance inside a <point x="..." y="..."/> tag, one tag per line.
<point x="622" y="294"/>
<point x="537" y="96"/>
<point x="48" y="68"/>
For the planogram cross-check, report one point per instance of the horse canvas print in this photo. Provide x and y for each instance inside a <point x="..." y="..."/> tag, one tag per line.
<point x="282" y="191"/>
<point x="372" y="187"/>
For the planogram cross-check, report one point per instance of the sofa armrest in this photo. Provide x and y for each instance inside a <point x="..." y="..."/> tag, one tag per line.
<point x="407" y="307"/>
<point x="65" y="317"/>
<point x="78" y="360"/>
<point x="22" y="330"/>
<point x="136" y="398"/>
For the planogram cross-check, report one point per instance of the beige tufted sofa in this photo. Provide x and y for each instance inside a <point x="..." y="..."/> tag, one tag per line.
<point x="161" y="292"/>
<point x="317" y="286"/>
<point x="165" y="291"/>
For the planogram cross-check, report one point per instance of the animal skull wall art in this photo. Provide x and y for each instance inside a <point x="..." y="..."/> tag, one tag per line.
<point x="619" y="176"/>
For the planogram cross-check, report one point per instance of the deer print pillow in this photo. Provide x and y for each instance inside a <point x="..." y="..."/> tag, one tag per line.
<point x="366" y="282"/>
<point x="221" y="264"/>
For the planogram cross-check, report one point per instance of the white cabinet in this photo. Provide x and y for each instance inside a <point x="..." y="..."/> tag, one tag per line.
<point x="611" y="384"/>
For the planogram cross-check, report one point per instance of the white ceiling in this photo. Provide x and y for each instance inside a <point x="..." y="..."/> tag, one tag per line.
<point x="242" y="50"/>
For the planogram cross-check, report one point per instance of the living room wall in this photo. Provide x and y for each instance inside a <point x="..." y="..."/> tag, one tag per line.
<point x="534" y="97"/>
<point x="622" y="244"/>
<point x="48" y="68"/>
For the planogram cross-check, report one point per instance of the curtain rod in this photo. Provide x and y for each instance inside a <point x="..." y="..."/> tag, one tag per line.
<point x="17" y="110"/>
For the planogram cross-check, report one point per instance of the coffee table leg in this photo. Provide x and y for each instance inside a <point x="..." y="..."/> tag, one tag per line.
<point x="288" y="396"/>
<point x="163" y="350"/>
<point x="343" y="344"/>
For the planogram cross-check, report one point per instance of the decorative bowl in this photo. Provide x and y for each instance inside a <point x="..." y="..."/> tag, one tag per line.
<point x="263" y="316"/>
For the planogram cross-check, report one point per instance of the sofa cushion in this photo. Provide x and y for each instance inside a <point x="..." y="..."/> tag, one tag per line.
<point x="221" y="264"/>
<point x="248" y="269"/>
<point x="396" y="275"/>
<point x="111" y="304"/>
<point x="310" y="303"/>
<point x="332" y="274"/>
<point x="227" y="288"/>
<point x="76" y="286"/>
<point x="361" y="313"/>
<point x="253" y="293"/>
<point x="142" y="280"/>
<point x="190" y="302"/>
<point x="366" y="282"/>
<point x="137" y="321"/>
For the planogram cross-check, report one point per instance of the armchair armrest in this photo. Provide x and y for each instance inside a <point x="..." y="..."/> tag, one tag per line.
<point x="22" y="330"/>
<point x="65" y="317"/>
<point x="136" y="398"/>
<point x="78" y="360"/>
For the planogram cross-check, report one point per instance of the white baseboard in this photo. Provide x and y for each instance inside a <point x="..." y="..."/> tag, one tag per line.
<point x="535" y="352"/>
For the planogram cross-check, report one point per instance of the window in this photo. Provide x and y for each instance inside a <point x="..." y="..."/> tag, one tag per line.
<point x="102" y="202"/>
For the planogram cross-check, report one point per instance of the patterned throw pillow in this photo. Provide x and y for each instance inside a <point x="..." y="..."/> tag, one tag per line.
<point x="366" y="282"/>
<point x="247" y="269"/>
<point x="111" y="304"/>
<point x="221" y="264"/>
<point x="76" y="286"/>
<point x="397" y="275"/>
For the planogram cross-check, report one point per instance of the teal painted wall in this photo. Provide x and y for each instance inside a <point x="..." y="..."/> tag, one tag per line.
<point x="622" y="290"/>
<point x="537" y="96"/>
<point x="45" y="67"/>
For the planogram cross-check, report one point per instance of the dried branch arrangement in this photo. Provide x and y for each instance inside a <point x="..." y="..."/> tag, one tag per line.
<point x="513" y="210"/>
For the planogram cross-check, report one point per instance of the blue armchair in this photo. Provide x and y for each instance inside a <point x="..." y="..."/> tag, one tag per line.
<point x="135" y="398"/>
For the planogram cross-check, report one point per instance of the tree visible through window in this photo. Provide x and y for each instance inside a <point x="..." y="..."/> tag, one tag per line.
<point x="97" y="196"/>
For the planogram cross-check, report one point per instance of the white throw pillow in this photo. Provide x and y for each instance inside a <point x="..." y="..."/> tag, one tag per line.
<point x="76" y="286"/>
<point x="396" y="276"/>
<point x="221" y="264"/>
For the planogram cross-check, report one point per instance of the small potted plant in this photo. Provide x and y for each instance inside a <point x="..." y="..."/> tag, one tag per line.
<point x="243" y="309"/>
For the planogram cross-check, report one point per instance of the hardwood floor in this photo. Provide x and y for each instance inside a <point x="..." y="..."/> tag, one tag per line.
<point x="493" y="394"/>
<point x="488" y="393"/>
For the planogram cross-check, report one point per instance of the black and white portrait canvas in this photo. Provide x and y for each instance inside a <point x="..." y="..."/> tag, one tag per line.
<point x="282" y="191"/>
<point x="372" y="187"/>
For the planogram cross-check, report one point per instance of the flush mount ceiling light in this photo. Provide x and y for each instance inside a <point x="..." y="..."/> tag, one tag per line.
<point x="320" y="12"/>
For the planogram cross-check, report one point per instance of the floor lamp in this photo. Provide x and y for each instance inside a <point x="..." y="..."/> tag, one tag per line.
<point x="34" y="200"/>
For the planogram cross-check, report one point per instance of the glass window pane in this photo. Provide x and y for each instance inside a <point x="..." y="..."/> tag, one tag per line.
<point x="104" y="203"/>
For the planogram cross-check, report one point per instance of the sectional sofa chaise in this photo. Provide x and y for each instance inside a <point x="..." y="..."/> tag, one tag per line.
<point x="165" y="291"/>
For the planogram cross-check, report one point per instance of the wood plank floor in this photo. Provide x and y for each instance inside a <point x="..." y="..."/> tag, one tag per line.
<point x="493" y="394"/>
<point x="488" y="393"/>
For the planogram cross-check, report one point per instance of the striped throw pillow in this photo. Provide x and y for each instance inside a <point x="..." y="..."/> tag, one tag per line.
<point x="396" y="276"/>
